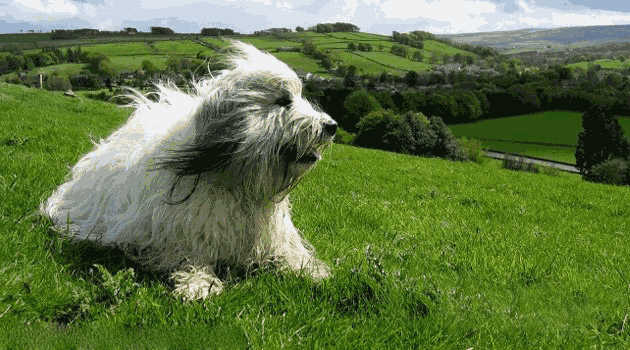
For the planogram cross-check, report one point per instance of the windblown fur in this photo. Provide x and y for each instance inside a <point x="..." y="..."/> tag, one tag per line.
<point x="202" y="178"/>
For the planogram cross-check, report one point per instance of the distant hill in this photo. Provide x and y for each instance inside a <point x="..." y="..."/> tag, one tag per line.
<point x="126" y="52"/>
<point x="545" y="39"/>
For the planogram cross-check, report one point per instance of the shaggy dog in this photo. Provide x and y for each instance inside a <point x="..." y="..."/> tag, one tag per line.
<point x="201" y="179"/>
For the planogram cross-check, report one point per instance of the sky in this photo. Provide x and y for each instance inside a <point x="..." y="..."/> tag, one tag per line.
<point x="375" y="16"/>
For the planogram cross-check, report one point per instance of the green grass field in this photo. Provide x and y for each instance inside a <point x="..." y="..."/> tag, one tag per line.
<point x="552" y="127"/>
<point x="604" y="63"/>
<point x="299" y="61"/>
<point x="127" y="52"/>
<point x="65" y="69"/>
<point x="186" y="48"/>
<point x="120" y="49"/>
<point x="425" y="253"/>
<point x="269" y="43"/>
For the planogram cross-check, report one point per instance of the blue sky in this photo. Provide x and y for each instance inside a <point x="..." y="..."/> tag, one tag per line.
<point x="377" y="16"/>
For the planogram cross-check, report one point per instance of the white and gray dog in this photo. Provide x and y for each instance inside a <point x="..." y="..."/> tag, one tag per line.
<point x="200" y="179"/>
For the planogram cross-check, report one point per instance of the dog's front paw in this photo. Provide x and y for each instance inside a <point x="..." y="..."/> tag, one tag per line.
<point x="318" y="270"/>
<point x="196" y="283"/>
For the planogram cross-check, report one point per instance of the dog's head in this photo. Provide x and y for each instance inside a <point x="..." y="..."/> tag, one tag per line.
<point x="253" y="132"/>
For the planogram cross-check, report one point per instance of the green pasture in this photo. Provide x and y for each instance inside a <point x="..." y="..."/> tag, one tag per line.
<point x="397" y="62"/>
<point x="269" y="43"/>
<point x="120" y="49"/>
<point x="216" y="41"/>
<point x="442" y="49"/>
<point x="299" y="61"/>
<point x="543" y="129"/>
<point x="65" y="69"/>
<point x="180" y="48"/>
<point x="132" y="63"/>
<point x="425" y="253"/>
<point x="604" y="63"/>
<point x="364" y="65"/>
<point x="557" y="153"/>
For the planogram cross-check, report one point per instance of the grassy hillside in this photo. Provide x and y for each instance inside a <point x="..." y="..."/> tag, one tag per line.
<point x="424" y="253"/>
<point x="605" y="63"/>
<point x="542" y="39"/>
<point x="128" y="54"/>
<point x="532" y="134"/>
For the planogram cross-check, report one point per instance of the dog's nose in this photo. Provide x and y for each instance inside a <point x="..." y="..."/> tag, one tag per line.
<point x="330" y="128"/>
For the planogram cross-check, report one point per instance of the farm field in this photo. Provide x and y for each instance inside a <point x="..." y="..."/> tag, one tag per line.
<point x="65" y="69"/>
<point x="301" y="62"/>
<point x="551" y="132"/>
<point x="604" y="63"/>
<point x="141" y="47"/>
<point x="425" y="253"/>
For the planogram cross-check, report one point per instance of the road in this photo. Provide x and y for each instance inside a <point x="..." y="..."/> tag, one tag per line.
<point x="550" y="163"/>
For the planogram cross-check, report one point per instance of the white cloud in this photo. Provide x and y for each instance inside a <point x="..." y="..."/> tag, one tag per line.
<point x="438" y="16"/>
<point x="49" y="7"/>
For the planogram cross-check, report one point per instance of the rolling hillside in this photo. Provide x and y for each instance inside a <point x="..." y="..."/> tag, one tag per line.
<point x="425" y="253"/>
<point x="128" y="52"/>
<point x="542" y="39"/>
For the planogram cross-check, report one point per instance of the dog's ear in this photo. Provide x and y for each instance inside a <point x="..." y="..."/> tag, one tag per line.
<point x="194" y="160"/>
<point x="201" y="156"/>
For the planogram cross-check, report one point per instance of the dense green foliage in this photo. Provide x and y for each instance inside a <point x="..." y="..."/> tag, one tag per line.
<point x="601" y="139"/>
<point x="425" y="253"/>
<point x="614" y="171"/>
<point x="358" y="104"/>
<point x="411" y="133"/>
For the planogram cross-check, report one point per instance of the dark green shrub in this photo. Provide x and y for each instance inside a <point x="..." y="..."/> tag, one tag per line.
<point x="424" y="136"/>
<point x="411" y="133"/>
<point x="385" y="130"/>
<point x="86" y="80"/>
<point x="58" y="83"/>
<point x="471" y="149"/>
<point x="344" y="137"/>
<point x="519" y="164"/>
<point x="600" y="140"/>
<point x="357" y="105"/>
<point x="149" y="68"/>
<point x="613" y="171"/>
<point x="100" y="64"/>
<point x="446" y="143"/>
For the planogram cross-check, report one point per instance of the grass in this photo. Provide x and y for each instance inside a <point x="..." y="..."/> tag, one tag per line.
<point x="132" y="63"/>
<point x="216" y="41"/>
<point x="120" y="49"/>
<point x="397" y="62"/>
<point x="127" y="52"/>
<point x="425" y="253"/>
<point x="180" y="47"/>
<point x="605" y="63"/>
<point x="269" y="43"/>
<point x="557" y="153"/>
<point x="515" y="134"/>
<point x="65" y="69"/>
<point x="299" y="61"/>
<point x="364" y="65"/>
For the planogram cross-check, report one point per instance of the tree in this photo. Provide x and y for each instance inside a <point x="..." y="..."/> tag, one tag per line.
<point x="162" y="30"/>
<point x="399" y="50"/>
<point x="148" y="67"/>
<point x="357" y="105"/>
<point x="417" y="56"/>
<point x="411" y="78"/>
<point x="600" y="140"/>
<point x="299" y="29"/>
<point x="385" y="130"/>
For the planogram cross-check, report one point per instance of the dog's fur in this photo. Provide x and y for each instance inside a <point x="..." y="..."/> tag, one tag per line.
<point x="200" y="179"/>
